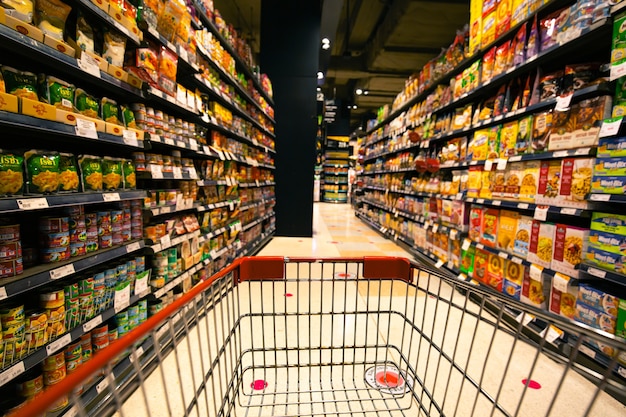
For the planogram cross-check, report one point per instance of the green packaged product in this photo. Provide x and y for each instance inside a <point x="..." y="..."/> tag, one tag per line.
<point x="56" y="92"/>
<point x="68" y="173"/>
<point x="109" y="111"/>
<point x="20" y="83"/>
<point x="130" y="181"/>
<point x="42" y="170"/>
<point x="128" y="117"/>
<point x="91" y="172"/>
<point x="11" y="173"/>
<point x="86" y="104"/>
<point x="111" y="174"/>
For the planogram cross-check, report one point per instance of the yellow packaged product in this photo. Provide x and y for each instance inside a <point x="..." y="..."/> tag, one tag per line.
<point x="530" y="181"/>
<point x="508" y="139"/>
<point x="479" y="145"/>
<point x="507" y="230"/>
<point x="488" y="34"/>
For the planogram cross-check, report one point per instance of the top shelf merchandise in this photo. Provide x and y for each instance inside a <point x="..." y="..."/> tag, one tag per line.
<point x="139" y="160"/>
<point x="498" y="159"/>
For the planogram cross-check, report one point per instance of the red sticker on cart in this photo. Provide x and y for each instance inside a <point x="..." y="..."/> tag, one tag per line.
<point x="259" y="385"/>
<point x="288" y="294"/>
<point x="531" y="384"/>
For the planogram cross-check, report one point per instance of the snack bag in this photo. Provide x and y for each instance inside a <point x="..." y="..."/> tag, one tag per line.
<point x="42" y="169"/>
<point x="68" y="173"/>
<point x="11" y="173"/>
<point x="20" y="83"/>
<point x="113" y="48"/>
<point x="111" y="174"/>
<point x="56" y="92"/>
<point x="91" y="173"/>
<point x="50" y="17"/>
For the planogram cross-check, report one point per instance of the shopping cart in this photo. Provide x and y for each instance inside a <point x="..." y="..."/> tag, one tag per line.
<point x="338" y="337"/>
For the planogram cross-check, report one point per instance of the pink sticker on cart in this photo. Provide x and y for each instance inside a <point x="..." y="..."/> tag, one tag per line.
<point x="288" y="294"/>
<point x="531" y="384"/>
<point x="258" y="385"/>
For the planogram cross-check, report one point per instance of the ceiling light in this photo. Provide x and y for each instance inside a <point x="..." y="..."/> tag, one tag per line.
<point x="366" y="92"/>
<point x="325" y="46"/>
<point x="320" y="75"/>
<point x="354" y="107"/>
<point x="325" y="40"/>
<point x="358" y="91"/>
<point x="319" y="89"/>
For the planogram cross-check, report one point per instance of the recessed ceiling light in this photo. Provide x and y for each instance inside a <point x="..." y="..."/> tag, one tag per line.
<point x="319" y="89"/>
<point x="325" y="46"/>
<point x="366" y="92"/>
<point x="325" y="40"/>
<point x="358" y="91"/>
<point x="320" y="75"/>
<point x="354" y="107"/>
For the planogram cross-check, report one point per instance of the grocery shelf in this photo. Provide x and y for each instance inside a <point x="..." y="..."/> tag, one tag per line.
<point x="212" y="234"/>
<point x="211" y="206"/>
<point x="257" y="204"/>
<point x="182" y="54"/>
<point x="257" y="221"/>
<point x="159" y="175"/>
<point x="159" y="211"/>
<point x="593" y="272"/>
<point x="47" y="273"/>
<point x="105" y="17"/>
<point x="607" y="198"/>
<point x="11" y="205"/>
<point x="166" y="241"/>
<point x="168" y="102"/>
<point x="208" y="183"/>
<point x="179" y="144"/>
<point x="257" y="183"/>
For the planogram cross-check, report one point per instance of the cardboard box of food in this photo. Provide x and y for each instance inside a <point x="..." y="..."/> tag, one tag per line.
<point x="474" y="181"/>
<point x="612" y="147"/>
<point x="563" y="295"/>
<point x="476" y="222"/>
<point x="530" y="181"/>
<point x="59" y="46"/>
<point x="38" y="109"/>
<point x="562" y="129"/>
<point x="608" y="242"/>
<point x="549" y="183"/>
<point x="591" y="113"/>
<point x="522" y="236"/>
<point x="487" y="184"/>
<point x="22" y="27"/>
<point x="481" y="263"/>
<point x="576" y="178"/>
<point x="608" y="185"/>
<point x="507" y="230"/>
<point x="594" y="318"/>
<point x="568" y="249"/>
<point x="524" y="135"/>
<point x="489" y="230"/>
<point x="9" y="103"/>
<point x="478" y="147"/>
<point x="495" y="272"/>
<point x="610" y="167"/>
<point x="541" y="243"/>
<point x="598" y="299"/>
<point x="513" y="279"/>
<point x="535" y="288"/>
<point x="467" y="260"/>
<point x="609" y="223"/>
<point x="606" y="260"/>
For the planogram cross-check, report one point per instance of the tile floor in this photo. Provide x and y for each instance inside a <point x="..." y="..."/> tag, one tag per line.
<point x="305" y="347"/>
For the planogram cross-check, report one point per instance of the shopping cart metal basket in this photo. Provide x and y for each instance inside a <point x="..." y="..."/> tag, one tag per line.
<point x="345" y="337"/>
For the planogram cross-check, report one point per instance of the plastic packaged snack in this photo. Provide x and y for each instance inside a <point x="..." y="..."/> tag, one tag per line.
<point x="20" y="83"/>
<point x="42" y="169"/>
<point x="55" y="92"/>
<point x="130" y="181"/>
<point x="91" y="172"/>
<point x="111" y="174"/>
<point x="113" y="48"/>
<point x="128" y="117"/>
<point x="50" y="17"/>
<point x="109" y="111"/>
<point x="170" y="15"/>
<point x="86" y="104"/>
<point x="11" y="173"/>
<point x="19" y="9"/>
<point x="168" y="62"/>
<point x="501" y="61"/>
<point x="68" y="173"/>
<point x="519" y="48"/>
<point x="488" y="63"/>
<point x="532" y="46"/>
<point x="84" y="34"/>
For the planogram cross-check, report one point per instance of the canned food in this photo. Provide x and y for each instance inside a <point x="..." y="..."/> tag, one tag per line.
<point x="78" y="249"/>
<point x="85" y="346"/>
<point x="12" y="315"/>
<point x="14" y="349"/>
<point x="36" y="326"/>
<point x="55" y="240"/>
<point x="117" y="216"/>
<point x="77" y="222"/>
<point x="105" y="241"/>
<point x="72" y="313"/>
<point x="78" y="210"/>
<point x="92" y="245"/>
<point x="54" y="362"/>
<point x="52" y="299"/>
<point x="104" y="229"/>
<point x="91" y="219"/>
<point x="150" y="233"/>
<point x="54" y="224"/>
<point x="10" y="250"/>
<point x="103" y="217"/>
<point x="126" y="235"/>
<point x="9" y="233"/>
<point x="30" y="384"/>
<point x="58" y="405"/>
<point x="56" y="322"/>
<point x="113" y="335"/>
<point x="73" y="357"/>
<point x="10" y="268"/>
<point x="52" y="255"/>
<point x="15" y="332"/>
<point x="86" y="305"/>
<point x="79" y="235"/>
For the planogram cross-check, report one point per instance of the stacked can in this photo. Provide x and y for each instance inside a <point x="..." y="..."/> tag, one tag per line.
<point x="155" y="306"/>
<point x="143" y="310"/>
<point x="159" y="269"/>
<point x="105" y="237"/>
<point x="73" y="359"/>
<point x="126" y="221"/>
<point x="78" y="230"/>
<point x="91" y="224"/>
<point x="99" y="293"/>
<point x="86" y="298"/>
<point x="131" y="274"/>
<point x="122" y="273"/>
<point x="172" y="263"/>
<point x="117" y="221"/>
<point x="110" y="281"/>
<point x="53" y="301"/>
<point x="36" y="326"/>
<point x="100" y="338"/>
<point x="13" y="327"/>
<point x="30" y="385"/>
<point x="72" y="305"/>
<point x="123" y="323"/>
<point x="136" y="220"/>
<point x="54" y="239"/>
<point x="54" y="371"/>
<point x="10" y="251"/>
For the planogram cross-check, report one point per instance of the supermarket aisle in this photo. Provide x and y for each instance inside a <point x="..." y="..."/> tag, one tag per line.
<point x="336" y="232"/>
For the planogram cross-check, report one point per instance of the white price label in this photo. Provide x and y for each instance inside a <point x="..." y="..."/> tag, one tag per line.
<point x="435" y="228"/>
<point x="618" y="70"/>
<point x="155" y="138"/>
<point x="453" y="234"/>
<point x="503" y="255"/>
<point x="228" y="181"/>
<point x="72" y="412"/>
<point x="136" y="354"/>
<point x="541" y="213"/>
<point x="193" y="174"/>
<point x="170" y="98"/>
<point x="220" y="154"/>
<point x="182" y="53"/>
<point x="257" y="183"/>
<point x="459" y="196"/>
<point x="501" y="164"/>
<point x="523" y="206"/>
<point x="551" y="333"/>
<point x="165" y="242"/>
<point x="480" y="246"/>
<point x="462" y="277"/>
<point x="610" y="127"/>
<point x="525" y="318"/>
<point x="535" y="272"/>
<point x="88" y="64"/>
<point x="206" y="150"/>
<point x="141" y="285"/>
<point x="130" y="137"/>
<point x="600" y="197"/>
<point x="466" y="244"/>
<point x="62" y="272"/>
<point x="122" y="299"/>
<point x="231" y="205"/>
<point x="480" y="201"/>
<point x="86" y="129"/>
<point x="587" y="351"/>
<point x="560" y="154"/>
<point x="597" y="272"/>
<point x="102" y="385"/>
<point x="169" y="141"/>
<point x="516" y="260"/>
<point x="32" y="203"/>
<point x="582" y="151"/>
<point x="496" y="202"/>
<point x="12" y="373"/>
<point x="3" y="293"/>
<point x="91" y="324"/>
<point x="569" y="211"/>
<point x="563" y="102"/>
<point x="181" y="144"/>
<point x="560" y="282"/>
<point x="439" y="264"/>
<point x="488" y="164"/>
<point x="58" y="344"/>
<point x="155" y="171"/>
<point x="107" y="197"/>
<point x="135" y="246"/>
<point x="178" y="173"/>
<point x="515" y="158"/>
<point x="193" y="144"/>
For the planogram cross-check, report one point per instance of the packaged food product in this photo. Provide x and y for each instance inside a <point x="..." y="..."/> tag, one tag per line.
<point x="501" y="59"/>
<point x="507" y="229"/>
<point x="518" y="46"/>
<point x="50" y="17"/>
<point x="109" y="111"/>
<point x="513" y="179"/>
<point x="524" y="134"/>
<point x="618" y="50"/>
<point x="111" y="173"/>
<point x="532" y="46"/>
<point x="481" y="263"/>
<point x="503" y="17"/>
<point x="42" y="169"/>
<point x="11" y="173"/>
<point x="130" y="181"/>
<point x="19" y="9"/>
<point x="594" y="318"/>
<point x="519" y="11"/>
<point x="530" y="181"/>
<point x="170" y="14"/>
<point x="612" y="147"/>
<point x="563" y="295"/>
<point x="568" y="249"/>
<point x="86" y="104"/>
<point x="55" y="92"/>
<point x="620" y="328"/>
<point x="489" y="29"/>
<point x="549" y="182"/>
<point x="68" y="173"/>
<point x="542" y="128"/>
<point x="168" y="63"/>
<point x="591" y="113"/>
<point x="598" y="299"/>
<point x="20" y="83"/>
<point x="479" y="145"/>
<point x="513" y="279"/>
<point x="535" y="288"/>
<point x="488" y="63"/>
<point x="91" y="173"/>
<point x="576" y="181"/>
<point x="84" y="33"/>
<point x="495" y="272"/>
<point x="548" y="31"/>
<point x="128" y="117"/>
<point x="541" y="248"/>
<point x="610" y="223"/>
<point x="114" y="47"/>
<point x="608" y="242"/>
<point x="489" y="230"/>
<point x="508" y="139"/>
<point x="467" y="260"/>
<point x="608" y="185"/>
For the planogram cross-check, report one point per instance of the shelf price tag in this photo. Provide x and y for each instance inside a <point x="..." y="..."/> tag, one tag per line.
<point x="92" y="324"/>
<point x="551" y="333"/>
<point x="610" y="127"/>
<point x="133" y="247"/>
<point x="166" y="242"/>
<point x="466" y="244"/>
<point x="618" y="70"/>
<point x="178" y="173"/>
<point x="535" y="272"/>
<point x="170" y="142"/>
<point x="141" y="283"/>
<point x="193" y="144"/>
<point x="88" y="64"/>
<point x="155" y="171"/>
<point x="32" y="203"/>
<point x="541" y="213"/>
<point x="522" y="206"/>
<point x="107" y="197"/>
<point x="439" y="264"/>
<point x="86" y="129"/>
<point x="501" y="164"/>
<point x="488" y="164"/>
<point x="600" y="197"/>
<point x="563" y="102"/>
<point x="122" y="298"/>
<point x="58" y="344"/>
<point x="3" y="293"/>
<point x="525" y="318"/>
<point x="130" y="137"/>
<point x="12" y="373"/>
<point x="62" y="272"/>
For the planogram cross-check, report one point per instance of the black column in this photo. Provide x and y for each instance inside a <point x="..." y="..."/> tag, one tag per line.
<point x="290" y="43"/>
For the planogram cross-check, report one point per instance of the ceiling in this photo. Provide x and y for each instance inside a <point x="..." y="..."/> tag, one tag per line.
<point x="375" y="44"/>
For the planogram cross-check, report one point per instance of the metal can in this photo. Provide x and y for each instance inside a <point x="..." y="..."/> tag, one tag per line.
<point x="52" y="299"/>
<point x="11" y="268"/>
<point x="53" y="255"/>
<point x="105" y="241"/>
<point x="36" y="324"/>
<point x="100" y="337"/>
<point x="54" y="224"/>
<point x="91" y="220"/>
<point x="55" y="239"/>
<point x="117" y="238"/>
<point x="12" y="315"/>
<point x="29" y="384"/>
<point x="78" y="249"/>
<point x="10" y="233"/>
<point x="10" y="250"/>
<point x="56" y="322"/>
<point x="85" y="346"/>
<point x="92" y="245"/>
<point x="54" y="362"/>
<point x="72" y="313"/>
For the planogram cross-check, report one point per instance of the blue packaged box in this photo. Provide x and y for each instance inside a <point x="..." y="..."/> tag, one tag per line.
<point x="606" y="260"/>
<point x="610" y="167"/>
<point x="608" y="185"/>
<point x="611" y="148"/>
<point x="598" y="299"/>
<point x="608" y="242"/>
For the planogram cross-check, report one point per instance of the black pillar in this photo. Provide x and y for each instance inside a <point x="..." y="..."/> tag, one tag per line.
<point x="290" y="43"/>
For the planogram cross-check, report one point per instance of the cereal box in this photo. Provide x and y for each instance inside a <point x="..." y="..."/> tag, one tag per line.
<point x="563" y="123"/>
<point x="610" y="223"/>
<point x="513" y="279"/>
<point x="609" y="167"/>
<point x="591" y="113"/>
<point x="474" y="181"/>
<point x="568" y="249"/>
<point x="487" y="184"/>
<point x="608" y="242"/>
<point x="612" y="148"/>
<point x="513" y="178"/>
<point x="563" y="296"/>
<point x="524" y="134"/>
<point x="519" y="11"/>
<point x="481" y="262"/>
<point x="508" y="139"/>
<point x="495" y="272"/>
<point x="499" y="184"/>
<point x="478" y="147"/>
<point x="467" y="260"/>
<point x="522" y="236"/>
<point x="503" y="17"/>
<point x="535" y="288"/>
<point x="576" y="177"/>
<point x="542" y="128"/>
<point x="541" y="243"/>
<point x="620" y="328"/>
<point x="549" y="182"/>
<point x="489" y="29"/>
<point x="530" y="181"/>
<point x="475" y="223"/>
<point x="489" y="230"/>
<point x="598" y="299"/>
<point x="618" y="49"/>
<point x="606" y="260"/>
<point x="493" y="142"/>
<point x="594" y="318"/>
<point x="507" y="230"/>
<point x="608" y="185"/>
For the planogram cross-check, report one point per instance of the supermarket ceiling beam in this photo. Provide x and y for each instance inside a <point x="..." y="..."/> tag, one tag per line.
<point x="355" y="67"/>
